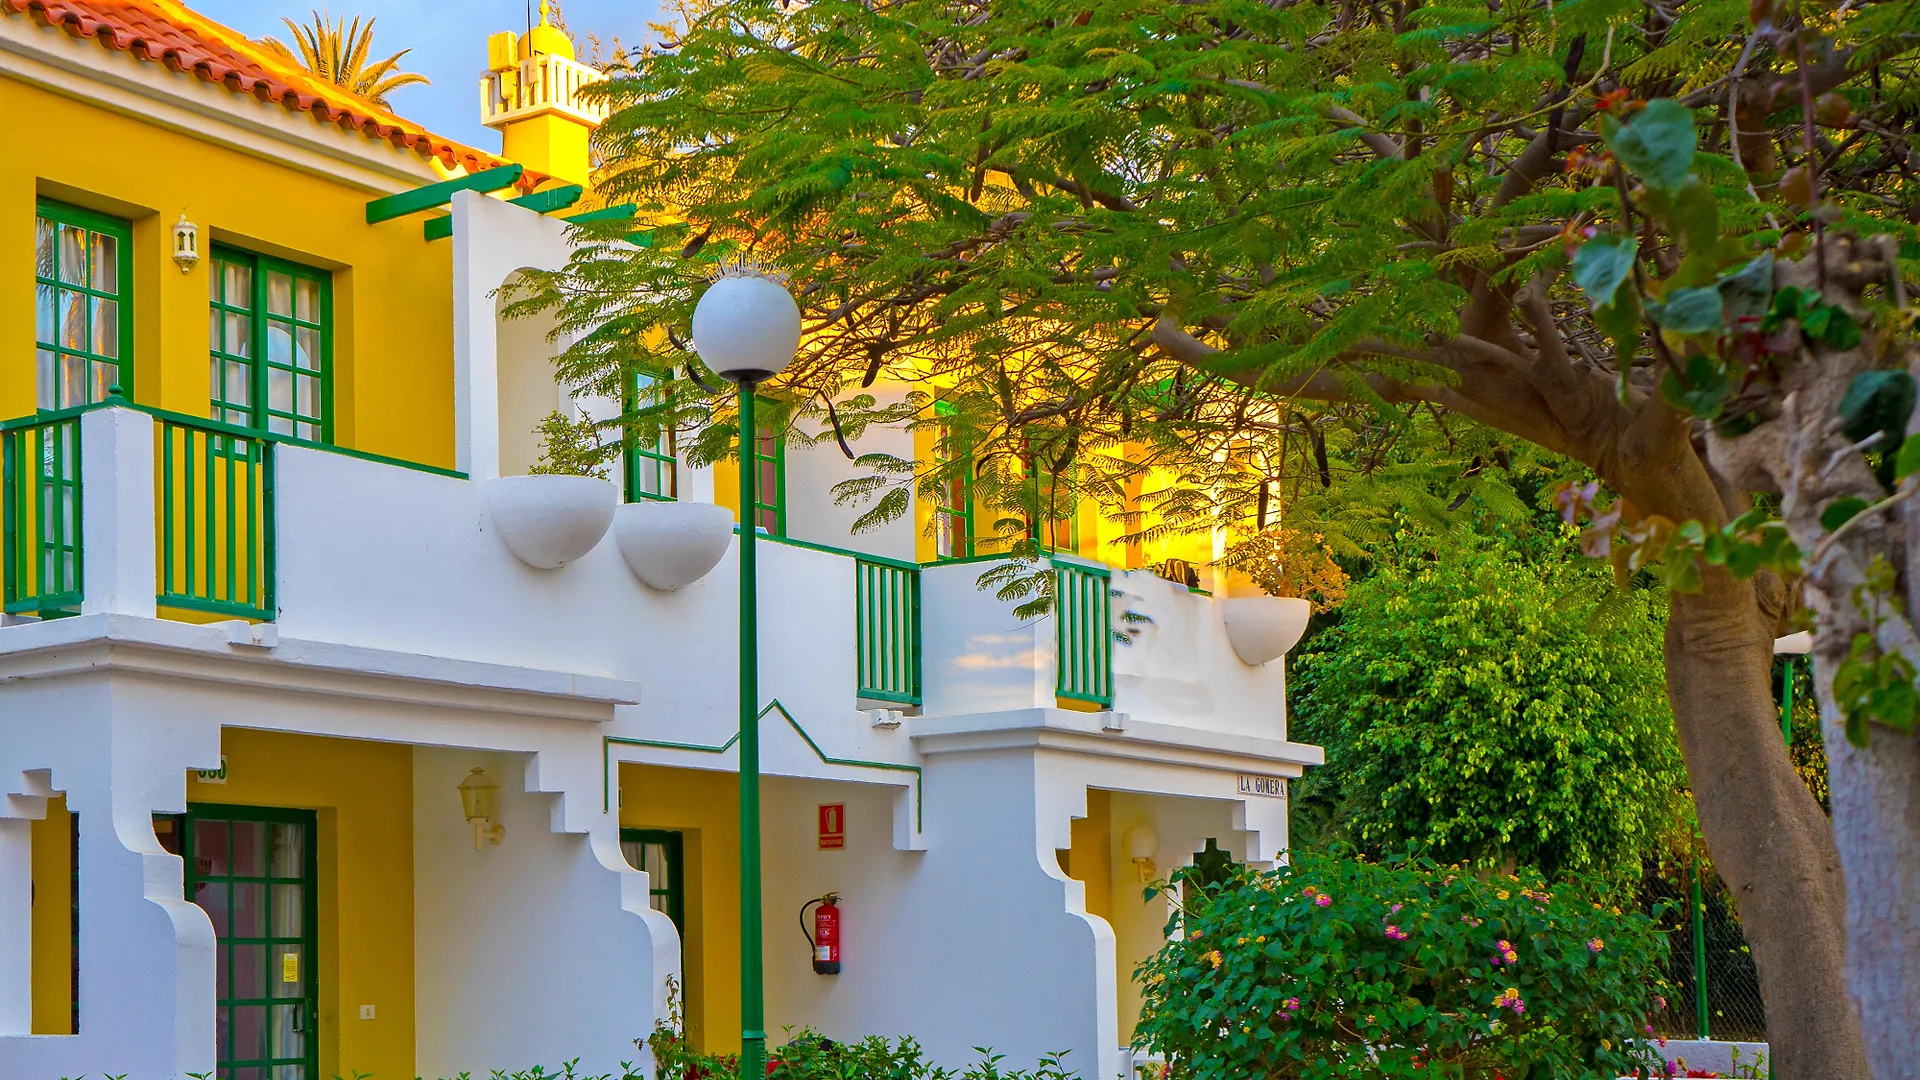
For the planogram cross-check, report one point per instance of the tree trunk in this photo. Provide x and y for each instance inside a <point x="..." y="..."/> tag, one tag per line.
<point x="1876" y="819"/>
<point x="1802" y="454"/>
<point x="1767" y="835"/>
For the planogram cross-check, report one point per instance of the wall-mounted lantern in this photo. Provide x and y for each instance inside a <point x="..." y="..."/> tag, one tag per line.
<point x="480" y="797"/>
<point x="1141" y="843"/>
<point x="186" y="243"/>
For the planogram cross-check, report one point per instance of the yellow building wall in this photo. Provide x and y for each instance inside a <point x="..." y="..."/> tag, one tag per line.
<point x="553" y="145"/>
<point x="705" y="808"/>
<point x="393" y="291"/>
<point x="362" y="793"/>
<point x="52" y="930"/>
<point x="1090" y="859"/>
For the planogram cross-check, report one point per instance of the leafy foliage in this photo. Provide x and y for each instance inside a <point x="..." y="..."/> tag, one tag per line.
<point x="1336" y="967"/>
<point x="1284" y="561"/>
<point x="571" y="448"/>
<point x="1477" y="706"/>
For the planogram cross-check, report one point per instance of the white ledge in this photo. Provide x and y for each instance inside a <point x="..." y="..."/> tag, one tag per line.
<point x="208" y="653"/>
<point x="1088" y="733"/>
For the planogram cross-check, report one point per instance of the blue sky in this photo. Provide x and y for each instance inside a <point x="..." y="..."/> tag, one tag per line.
<point x="449" y="43"/>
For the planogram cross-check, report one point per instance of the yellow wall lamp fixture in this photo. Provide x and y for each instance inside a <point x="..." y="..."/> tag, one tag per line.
<point x="480" y="797"/>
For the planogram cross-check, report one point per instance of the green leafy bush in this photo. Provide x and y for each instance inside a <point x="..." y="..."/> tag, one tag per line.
<point x="1337" y="967"/>
<point x="1494" y="706"/>
<point x="809" y="1055"/>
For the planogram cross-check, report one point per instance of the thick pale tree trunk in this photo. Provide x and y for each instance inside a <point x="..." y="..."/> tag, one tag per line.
<point x="1803" y="454"/>
<point x="1768" y="837"/>
<point x="1876" y="817"/>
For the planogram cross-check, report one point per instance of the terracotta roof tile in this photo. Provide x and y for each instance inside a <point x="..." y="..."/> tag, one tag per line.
<point x="166" y="32"/>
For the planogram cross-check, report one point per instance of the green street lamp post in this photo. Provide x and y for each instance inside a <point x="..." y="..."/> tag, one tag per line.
<point x="746" y="328"/>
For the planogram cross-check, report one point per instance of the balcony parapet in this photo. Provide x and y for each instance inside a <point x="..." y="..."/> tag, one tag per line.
<point x="541" y="84"/>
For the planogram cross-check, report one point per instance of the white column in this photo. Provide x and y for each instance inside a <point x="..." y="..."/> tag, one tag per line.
<point x="476" y="361"/>
<point x="117" y="508"/>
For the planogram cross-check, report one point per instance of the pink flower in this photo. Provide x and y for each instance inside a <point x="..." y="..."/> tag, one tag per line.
<point x="1596" y="945"/>
<point x="1323" y="900"/>
<point x="1396" y="933"/>
<point x="1393" y="909"/>
<point x="1291" y="1004"/>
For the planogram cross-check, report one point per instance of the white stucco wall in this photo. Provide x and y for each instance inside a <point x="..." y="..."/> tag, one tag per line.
<point x="532" y="952"/>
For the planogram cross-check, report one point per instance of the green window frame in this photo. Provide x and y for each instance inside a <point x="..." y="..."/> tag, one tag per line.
<point x="661" y="853"/>
<point x="769" y="474"/>
<point x="270" y="345"/>
<point x="83" y="305"/>
<point x="953" y="504"/>
<point x="652" y="466"/>
<point x="260" y="896"/>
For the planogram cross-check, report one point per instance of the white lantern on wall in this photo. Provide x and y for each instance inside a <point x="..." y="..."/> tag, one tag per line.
<point x="186" y="244"/>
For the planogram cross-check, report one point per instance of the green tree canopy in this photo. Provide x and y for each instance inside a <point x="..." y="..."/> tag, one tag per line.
<point x="1223" y="231"/>
<point x="1481" y="707"/>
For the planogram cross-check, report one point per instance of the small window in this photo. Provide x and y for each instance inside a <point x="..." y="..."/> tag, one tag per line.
<point x="83" y="318"/>
<point x="770" y="477"/>
<point x="270" y="345"/>
<point x="953" y="502"/>
<point x="1059" y="525"/>
<point x="652" y="468"/>
<point x="661" y="854"/>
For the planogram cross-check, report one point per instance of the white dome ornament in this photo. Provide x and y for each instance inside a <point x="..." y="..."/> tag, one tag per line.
<point x="746" y="327"/>
<point x="549" y="521"/>
<point x="669" y="545"/>
<point x="1263" y="628"/>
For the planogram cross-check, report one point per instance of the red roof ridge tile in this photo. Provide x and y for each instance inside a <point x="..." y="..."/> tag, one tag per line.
<point x="169" y="33"/>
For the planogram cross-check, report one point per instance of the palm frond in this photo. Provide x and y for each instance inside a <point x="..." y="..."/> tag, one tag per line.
<point x="336" y="51"/>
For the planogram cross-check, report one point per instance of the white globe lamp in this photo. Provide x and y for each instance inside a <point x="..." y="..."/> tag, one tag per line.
<point x="746" y="326"/>
<point x="746" y="329"/>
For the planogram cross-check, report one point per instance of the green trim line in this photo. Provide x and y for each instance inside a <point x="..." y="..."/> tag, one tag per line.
<point x="274" y="437"/>
<point x="545" y="202"/>
<point x="230" y="429"/>
<point x="826" y="549"/>
<point x="995" y="556"/>
<point x="540" y="202"/>
<point x="388" y="207"/>
<point x="606" y="213"/>
<point x="608" y="742"/>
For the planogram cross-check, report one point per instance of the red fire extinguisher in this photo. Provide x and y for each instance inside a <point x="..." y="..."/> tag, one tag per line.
<point x="824" y="938"/>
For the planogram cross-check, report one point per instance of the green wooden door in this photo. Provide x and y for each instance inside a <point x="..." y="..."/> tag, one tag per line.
<point x="252" y="870"/>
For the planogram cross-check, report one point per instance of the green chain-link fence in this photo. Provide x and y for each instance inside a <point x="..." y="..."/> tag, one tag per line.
<point x="1715" y="989"/>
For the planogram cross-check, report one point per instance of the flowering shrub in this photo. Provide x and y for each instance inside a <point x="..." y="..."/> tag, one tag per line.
<point x="1335" y="967"/>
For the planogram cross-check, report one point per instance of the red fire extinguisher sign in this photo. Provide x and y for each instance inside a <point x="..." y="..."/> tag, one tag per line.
<point x="833" y="826"/>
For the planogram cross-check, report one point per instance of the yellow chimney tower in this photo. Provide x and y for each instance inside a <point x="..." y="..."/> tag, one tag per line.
<point x="531" y="95"/>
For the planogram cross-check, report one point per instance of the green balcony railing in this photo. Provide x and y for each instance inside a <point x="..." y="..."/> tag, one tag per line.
<point x="1083" y="632"/>
<point x="41" y="490"/>
<point x="216" y="518"/>
<point x="887" y="602"/>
